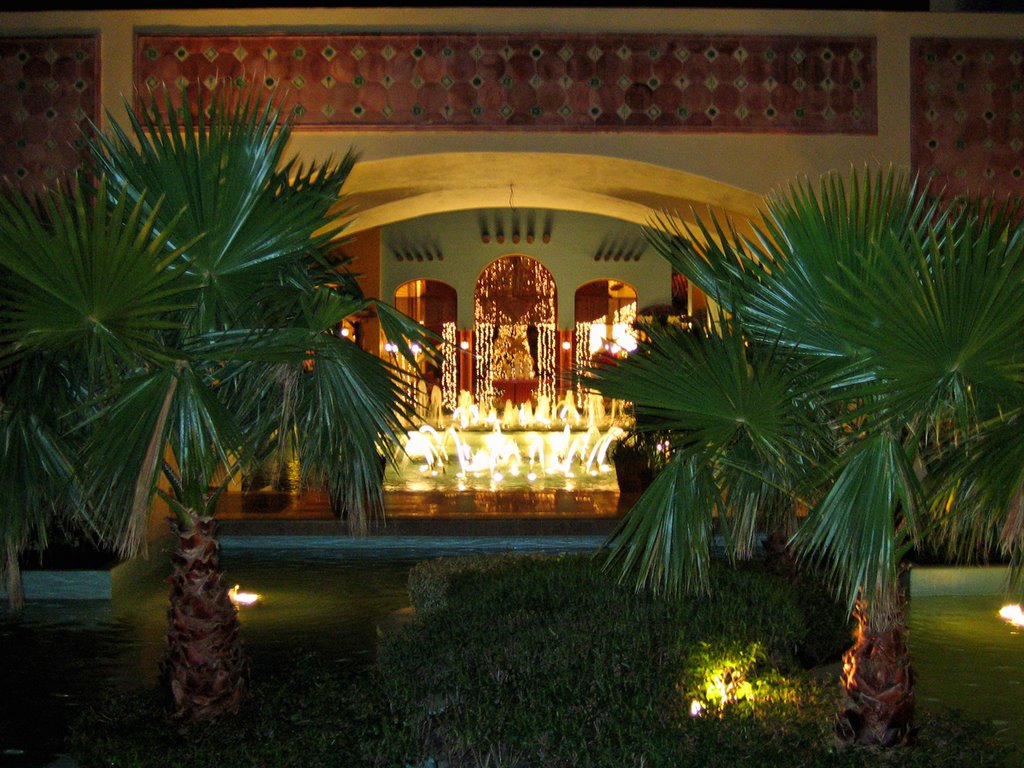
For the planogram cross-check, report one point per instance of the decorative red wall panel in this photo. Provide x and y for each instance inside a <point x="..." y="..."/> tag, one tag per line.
<point x="565" y="82"/>
<point x="967" y="119"/>
<point x="49" y="92"/>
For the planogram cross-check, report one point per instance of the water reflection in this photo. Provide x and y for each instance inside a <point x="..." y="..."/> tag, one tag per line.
<point x="969" y="658"/>
<point x="58" y="657"/>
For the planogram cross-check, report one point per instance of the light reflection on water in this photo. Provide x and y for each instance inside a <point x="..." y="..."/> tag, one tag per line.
<point x="58" y="657"/>
<point x="969" y="658"/>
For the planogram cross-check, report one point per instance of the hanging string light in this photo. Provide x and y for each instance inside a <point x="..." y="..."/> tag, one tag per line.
<point x="484" y="371"/>
<point x="515" y="291"/>
<point x="449" y="368"/>
<point x="626" y="314"/>
<point x="582" y="356"/>
<point x="547" y="346"/>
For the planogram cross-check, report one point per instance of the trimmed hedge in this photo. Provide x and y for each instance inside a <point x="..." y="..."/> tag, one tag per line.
<point x="552" y="656"/>
<point x="539" y="661"/>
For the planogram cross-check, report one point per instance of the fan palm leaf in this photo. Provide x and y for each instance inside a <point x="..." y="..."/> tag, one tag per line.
<point x="737" y="428"/>
<point x="664" y="542"/>
<point x="88" y="275"/>
<point x="256" y="217"/>
<point x="195" y="267"/>
<point x="866" y="523"/>
<point x="37" y="478"/>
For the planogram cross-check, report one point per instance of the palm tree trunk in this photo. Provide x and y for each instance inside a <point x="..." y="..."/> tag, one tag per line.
<point x="12" y="577"/>
<point x="878" y="680"/>
<point x="204" y="670"/>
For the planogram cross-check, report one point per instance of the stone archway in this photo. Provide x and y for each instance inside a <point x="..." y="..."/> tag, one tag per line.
<point x="380" y="192"/>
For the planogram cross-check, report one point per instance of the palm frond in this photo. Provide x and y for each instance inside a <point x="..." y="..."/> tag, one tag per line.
<point x="664" y="542"/>
<point x="37" y="479"/>
<point x="406" y="334"/>
<point x="88" y="275"/>
<point x="936" y="323"/>
<point x="250" y="212"/>
<point x="867" y="521"/>
<point x="119" y="465"/>
<point x="816" y="240"/>
<point x="734" y="403"/>
<point x="977" y="508"/>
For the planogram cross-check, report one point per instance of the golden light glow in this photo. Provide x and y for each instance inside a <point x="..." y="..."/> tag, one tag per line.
<point x="243" y="598"/>
<point x="484" y="376"/>
<point x="581" y="356"/>
<point x="1013" y="614"/>
<point x="541" y="444"/>
<point x="513" y="294"/>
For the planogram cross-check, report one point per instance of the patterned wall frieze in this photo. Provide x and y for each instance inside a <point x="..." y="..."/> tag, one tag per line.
<point x="554" y="82"/>
<point x="967" y="120"/>
<point x="49" y="93"/>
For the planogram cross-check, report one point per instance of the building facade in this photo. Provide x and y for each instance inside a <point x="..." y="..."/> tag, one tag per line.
<point x="509" y="158"/>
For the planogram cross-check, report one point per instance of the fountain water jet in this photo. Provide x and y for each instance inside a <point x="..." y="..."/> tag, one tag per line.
<point x="526" y="448"/>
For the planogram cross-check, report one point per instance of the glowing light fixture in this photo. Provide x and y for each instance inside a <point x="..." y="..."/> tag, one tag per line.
<point x="243" y="598"/>
<point x="1013" y="614"/>
<point x="695" y="708"/>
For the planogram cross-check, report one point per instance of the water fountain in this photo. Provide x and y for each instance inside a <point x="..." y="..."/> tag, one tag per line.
<point x="547" y="447"/>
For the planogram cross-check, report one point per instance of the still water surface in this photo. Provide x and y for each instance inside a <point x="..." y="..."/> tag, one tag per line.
<point x="968" y="658"/>
<point x="58" y="657"/>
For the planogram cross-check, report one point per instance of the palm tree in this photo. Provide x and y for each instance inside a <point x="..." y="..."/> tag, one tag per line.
<point x="892" y="325"/>
<point x="60" y="257"/>
<point x="36" y="479"/>
<point x="191" y="295"/>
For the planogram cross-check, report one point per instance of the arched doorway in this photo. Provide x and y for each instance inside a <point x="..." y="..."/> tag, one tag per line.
<point x="604" y="312"/>
<point x="515" y="314"/>
<point x="433" y="304"/>
<point x="429" y="302"/>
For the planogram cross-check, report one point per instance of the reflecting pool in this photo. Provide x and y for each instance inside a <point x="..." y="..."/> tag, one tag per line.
<point x="969" y="658"/>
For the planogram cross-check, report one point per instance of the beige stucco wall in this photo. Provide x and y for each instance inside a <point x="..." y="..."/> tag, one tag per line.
<point x="758" y="162"/>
